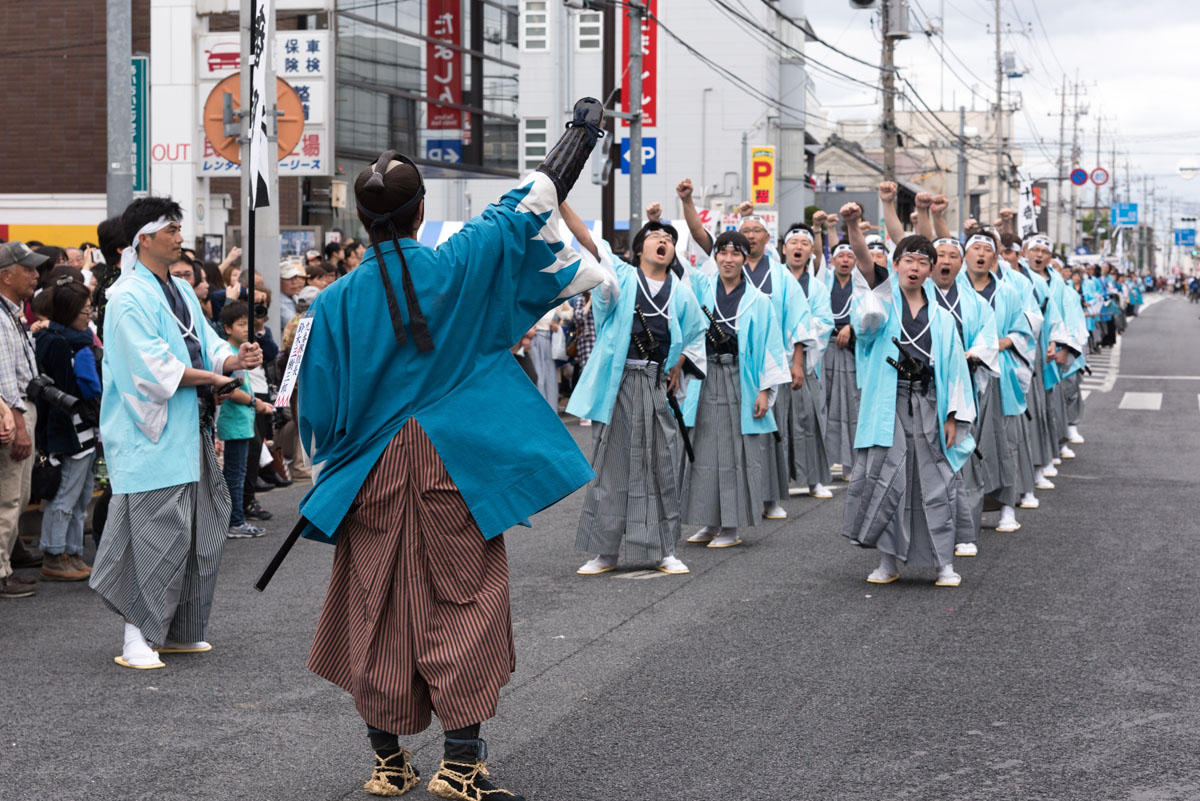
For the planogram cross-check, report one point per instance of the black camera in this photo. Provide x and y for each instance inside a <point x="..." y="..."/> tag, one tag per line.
<point x="42" y="388"/>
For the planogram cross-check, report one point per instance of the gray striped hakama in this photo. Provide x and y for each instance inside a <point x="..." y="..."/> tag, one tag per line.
<point x="800" y="414"/>
<point x="157" y="562"/>
<point x="1056" y="405"/>
<point x="774" y="459"/>
<point x="902" y="498"/>
<point x="635" y="495"/>
<point x="841" y="403"/>
<point x="1073" y="397"/>
<point x="1018" y="427"/>
<point x="1042" y="445"/>
<point x="723" y="487"/>
<point x="998" y="469"/>
<point x="968" y="500"/>
<point x="541" y="352"/>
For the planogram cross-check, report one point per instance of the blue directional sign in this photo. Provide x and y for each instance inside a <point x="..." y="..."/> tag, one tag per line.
<point x="1079" y="176"/>
<point x="1185" y="237"/>
<point x="448" y="150"/>
<point x="649" y="155"/>
<point x="1123" y="214"/>
<point x="1081" y="250"/>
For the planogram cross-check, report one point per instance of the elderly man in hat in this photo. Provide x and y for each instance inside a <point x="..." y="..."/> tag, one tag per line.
<point x="18" y="278"/>
<point x="291" y="281"/>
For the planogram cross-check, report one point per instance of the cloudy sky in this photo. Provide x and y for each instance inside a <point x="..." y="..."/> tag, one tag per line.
<point x="1136" y="60"/>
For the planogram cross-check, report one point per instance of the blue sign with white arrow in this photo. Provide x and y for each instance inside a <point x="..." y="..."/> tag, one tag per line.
<point x="1123" y="214"/>
<point x="649" y="155"/>
<point x="1185" y="237"/>
<point x="447" y="150"/>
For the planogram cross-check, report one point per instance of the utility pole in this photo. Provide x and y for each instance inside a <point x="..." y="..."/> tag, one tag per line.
<point x="608" y="62"/>
<point x="633" y="104"/>
<point x="1075" y="162"/>
<point x="1000" y="171"/>
<point x="887" y="80"/>
<point x="962" y="168"/>
<point x="119" y="180"/>
<point x="1096" y="188"/>
<point x="1062" y="122"/>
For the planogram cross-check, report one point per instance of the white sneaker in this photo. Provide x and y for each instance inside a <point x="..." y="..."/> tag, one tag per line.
<point x="729" y="538"/>
<point x="1008" y="520"/>
<point x="1066" y="452"/>
<point x="966" y="549"/>
<point x="947" y="577"/>
<point x="704" y="535"/>
<point x="1028" y="501"/>
<point x="819" y="490"/>
<point x="601" y="564"/>
<point x="1074" y="437"/>
<point x="672" y="566"/>
<point x="1049" y="471"/>
<point x="773" y="511"/>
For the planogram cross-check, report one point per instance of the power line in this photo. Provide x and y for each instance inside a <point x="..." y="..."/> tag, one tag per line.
<point x="809" y="32"/>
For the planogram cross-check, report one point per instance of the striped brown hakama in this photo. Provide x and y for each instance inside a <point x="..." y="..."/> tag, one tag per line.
<point x="417" y="618"/>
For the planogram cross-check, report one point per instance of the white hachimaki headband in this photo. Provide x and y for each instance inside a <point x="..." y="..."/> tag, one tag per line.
<point x="842" y="248"/>
<point x="1039" y="242"/>
<point x="949" y="241"/>
<point x="987" y="240"/>
<point x="877" y="246"/>
<point x="752" y="218"/>
<point x="797" y="232"/>
<point x="129" y="255"/>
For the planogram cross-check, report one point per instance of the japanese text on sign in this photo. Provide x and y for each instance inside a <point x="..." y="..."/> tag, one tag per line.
<point x="443" y="65"/>
<point x="762" y="176"/>
<point x="649" y="66"/>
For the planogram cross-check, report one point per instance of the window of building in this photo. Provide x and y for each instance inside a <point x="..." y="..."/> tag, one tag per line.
<point x="535" y="27"/>
<point x="589" y="30"/>
<point x="534" y="144"/>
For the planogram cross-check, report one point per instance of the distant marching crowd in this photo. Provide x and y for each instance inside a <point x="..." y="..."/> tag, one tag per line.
<point x="938" y="377"/>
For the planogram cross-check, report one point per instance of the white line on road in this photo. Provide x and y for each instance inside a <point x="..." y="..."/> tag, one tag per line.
<point x="1163" y="377"/>
<point x="1085" y="393"/>
<point x="1145" y="401"/>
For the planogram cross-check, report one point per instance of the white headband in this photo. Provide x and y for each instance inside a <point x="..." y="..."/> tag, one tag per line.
<point x="752" y="218"/>
<point x="987" y="240"/>
<point x="949" y="241"/>
<point x="1040" y="242"/>
<point x="129" y="255"/>
<point x="797" y="232"/>
<point x="842" y="248"/>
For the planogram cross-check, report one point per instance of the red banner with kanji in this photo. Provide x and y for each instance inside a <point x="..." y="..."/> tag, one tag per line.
<point x="443" y="65"/>
<point x="649" y="67"/>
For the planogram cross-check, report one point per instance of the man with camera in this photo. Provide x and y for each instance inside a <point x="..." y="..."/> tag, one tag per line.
<point x="157" y="562"/>
<point x="18" y="279"/>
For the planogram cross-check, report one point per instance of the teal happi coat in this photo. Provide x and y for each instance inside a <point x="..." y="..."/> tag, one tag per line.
<point x="480" y="291"/>
<point x="1075" y="329"/>
<point x="877" y="318"/>
<point x="148" y="422"/>
<point x="1011" y="302"/>
<point x="822" y="317"/>
<point x="762" y="362"/>
<point x="613" y="309"/>
<point x="979" y="325"/>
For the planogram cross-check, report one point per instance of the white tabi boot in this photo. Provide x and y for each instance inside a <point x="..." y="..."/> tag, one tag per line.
<point x="1073" y="436"/>
<point x="1008" y="520"/>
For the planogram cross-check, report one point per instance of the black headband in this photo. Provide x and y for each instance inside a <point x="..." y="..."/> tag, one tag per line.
<point x="416" y="319"/>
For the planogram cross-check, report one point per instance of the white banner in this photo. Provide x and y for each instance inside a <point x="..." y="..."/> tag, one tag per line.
<point x="262" y="151"/>
<point x="1027" y="219"/>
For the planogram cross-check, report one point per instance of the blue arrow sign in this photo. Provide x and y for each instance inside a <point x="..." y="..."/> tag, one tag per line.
<point x="1123" y="214"/>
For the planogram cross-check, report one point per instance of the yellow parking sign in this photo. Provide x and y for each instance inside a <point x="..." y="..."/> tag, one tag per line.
<point x="762" y="176"/>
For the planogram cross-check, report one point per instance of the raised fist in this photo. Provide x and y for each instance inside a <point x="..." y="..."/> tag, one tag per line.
<point x="654" y="212"/>
<point x="940" y="204"/>
<point x="970" y="223"/>
<point x="684" y="190"/>
<point x="887" y="191"/>
<point x="864" y="226"/>
<point x="850" y="213"/>
<point x="1006" y="214"/>
<point x="924" y="200"/>
<point x="745" y="208"/>
<point x="818" y="219"/>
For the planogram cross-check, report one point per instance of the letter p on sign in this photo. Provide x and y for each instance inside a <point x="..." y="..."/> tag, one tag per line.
<point x="762" y="176"/>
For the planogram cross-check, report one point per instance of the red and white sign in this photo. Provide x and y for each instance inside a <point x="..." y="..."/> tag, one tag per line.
<point x="649" y="67"/>
<point x="1099" y="176"/>
<point x="443" y="65"/>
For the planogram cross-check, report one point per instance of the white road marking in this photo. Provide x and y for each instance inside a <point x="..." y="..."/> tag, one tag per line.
<point x="1146" y="401"/>
<point x="1085" y="393"/>
<point x="1163" y="377"/>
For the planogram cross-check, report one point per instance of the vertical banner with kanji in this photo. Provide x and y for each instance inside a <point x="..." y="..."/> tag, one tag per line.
<point x="262" y="149"/>
<point x="1027" y="223"/>
<point x="443" y="65"/>
<point x="649" y="66"/>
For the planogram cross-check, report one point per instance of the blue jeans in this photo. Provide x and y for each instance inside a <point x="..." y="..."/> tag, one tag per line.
<point x="236" y="451"/>
<point x="62" y="521"/>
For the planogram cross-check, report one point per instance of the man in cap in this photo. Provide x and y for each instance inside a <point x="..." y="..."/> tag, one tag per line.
<point x="18" y="278"/>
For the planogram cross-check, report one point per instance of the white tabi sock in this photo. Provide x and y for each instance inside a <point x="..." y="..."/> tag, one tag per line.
<point x="137" y="651"/>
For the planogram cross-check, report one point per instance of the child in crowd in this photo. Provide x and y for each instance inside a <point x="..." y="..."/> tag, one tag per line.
<point x="235" y="425"/>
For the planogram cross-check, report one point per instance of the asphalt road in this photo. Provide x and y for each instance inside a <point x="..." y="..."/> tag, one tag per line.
<point x="1064" y="667"/>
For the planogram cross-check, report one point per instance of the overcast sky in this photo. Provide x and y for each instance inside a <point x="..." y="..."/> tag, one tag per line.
<point x="1137" y="60"/>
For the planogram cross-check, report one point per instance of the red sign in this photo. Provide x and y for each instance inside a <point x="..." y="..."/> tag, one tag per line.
<point x="649" y="67"/>
<point x="443" y="65"/>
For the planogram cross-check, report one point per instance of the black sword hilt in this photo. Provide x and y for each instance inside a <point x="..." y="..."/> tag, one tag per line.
<point x="280" y="555"/>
